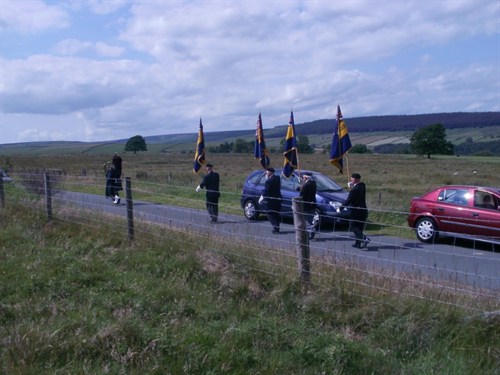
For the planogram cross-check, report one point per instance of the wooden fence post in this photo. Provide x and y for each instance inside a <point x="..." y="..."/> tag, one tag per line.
<point x="302" y="242"/>
<point x="130" y="208"/>
<point x="2" y="193"/>
<point x="48" y="195"/>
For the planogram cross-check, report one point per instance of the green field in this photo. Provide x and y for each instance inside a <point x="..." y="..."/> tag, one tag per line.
<point x="77" y="298"/>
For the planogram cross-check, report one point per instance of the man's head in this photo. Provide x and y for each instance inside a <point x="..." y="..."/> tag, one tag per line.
<point x="209" y="167"/>
<point x="269" y="171"/>
<point x="356" y="177"/>
<point x="306" y="176"/>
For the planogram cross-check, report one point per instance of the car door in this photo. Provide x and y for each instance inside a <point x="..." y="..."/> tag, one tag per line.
<point x="485" y="215"/>
<point x="453" y="210"/>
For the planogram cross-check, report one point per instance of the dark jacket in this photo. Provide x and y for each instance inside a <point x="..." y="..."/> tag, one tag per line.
<point x="211" y="183"/>
<point x="308" y="195"/>
<point x="113" y="181"/>
<point x="272" y="193"/>
<point x="356" y="202"/>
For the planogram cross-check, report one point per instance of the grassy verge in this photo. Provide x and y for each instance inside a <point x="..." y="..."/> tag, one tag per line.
<point x="80" y="298"/>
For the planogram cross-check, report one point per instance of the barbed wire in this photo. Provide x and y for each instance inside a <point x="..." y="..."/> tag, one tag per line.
<point x="251" y="245"/>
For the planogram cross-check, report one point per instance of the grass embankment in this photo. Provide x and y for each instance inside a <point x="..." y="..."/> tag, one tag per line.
<point x="81" y="299"/>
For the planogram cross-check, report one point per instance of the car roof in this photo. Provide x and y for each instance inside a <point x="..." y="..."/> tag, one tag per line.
<point x="279" y="170"/>
<point x="486" y="188"/>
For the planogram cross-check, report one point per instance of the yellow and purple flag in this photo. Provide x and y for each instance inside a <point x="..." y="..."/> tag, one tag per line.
<point x="261" y="151"/>
<point x="199" y="156"/>
<point x="290" y="154"/>
<point x="341" y="143"/>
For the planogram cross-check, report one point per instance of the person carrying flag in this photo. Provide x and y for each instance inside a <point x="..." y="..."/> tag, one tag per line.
<point x="271" y="197"/>
<point x="356" y="203"/>
<point x="211" y="183"/>
<point x="308" y="197"/>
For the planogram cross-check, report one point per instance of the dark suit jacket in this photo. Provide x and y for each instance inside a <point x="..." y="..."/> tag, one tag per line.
<point x="272" y="193"/>
<point x="211" y="183"/>
<point x="308" y="195"/>
<point x="356" y="202"/>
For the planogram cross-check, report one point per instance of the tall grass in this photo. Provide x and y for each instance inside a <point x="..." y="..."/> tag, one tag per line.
<point x="80" y="298"/>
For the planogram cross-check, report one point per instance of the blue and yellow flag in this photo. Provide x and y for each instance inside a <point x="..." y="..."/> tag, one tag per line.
<point x="290" y="154"/>
<point x="261" y="152"/>
<point x="341" y="143"/>
<point x="199" y="156"/>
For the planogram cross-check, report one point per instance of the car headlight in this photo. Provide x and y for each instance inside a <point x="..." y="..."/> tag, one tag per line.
<point x="335" y="205"/>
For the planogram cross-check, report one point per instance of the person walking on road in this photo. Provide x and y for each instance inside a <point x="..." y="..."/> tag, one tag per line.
<point x="356" y="203"/>
<point x="113" y="179"/>
<point x="211" y="183"/>
<point x="271" y="197"/>
<point x="308" y="197"/>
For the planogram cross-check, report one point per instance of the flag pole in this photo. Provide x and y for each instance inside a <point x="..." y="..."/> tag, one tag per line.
<point x="347" y="163"/>
<point x="297" y="139"/>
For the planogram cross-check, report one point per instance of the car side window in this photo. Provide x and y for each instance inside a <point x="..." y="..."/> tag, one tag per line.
<point x="258" y="179"/>
<point x="483" y="199"/>
<point x="289" y="183"/>
<point x="454" y="196"/>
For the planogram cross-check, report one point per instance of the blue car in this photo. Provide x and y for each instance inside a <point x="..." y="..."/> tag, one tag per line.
<point x="329" y="196"/>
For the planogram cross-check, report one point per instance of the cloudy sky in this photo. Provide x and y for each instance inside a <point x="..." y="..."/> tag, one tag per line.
<point x="99" y="70"/>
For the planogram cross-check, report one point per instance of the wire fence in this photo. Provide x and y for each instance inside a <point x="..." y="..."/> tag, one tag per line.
<point x="449" y="272"/>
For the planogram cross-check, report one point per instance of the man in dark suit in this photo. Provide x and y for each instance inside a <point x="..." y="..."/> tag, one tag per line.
<point x="211" y="183"/>
<point x="272" y="199"/>
<point x="356" y="203"/>
<point x="308" y="197"/>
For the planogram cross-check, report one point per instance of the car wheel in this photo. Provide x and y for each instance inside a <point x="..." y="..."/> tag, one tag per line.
<point x="250" y="210"/>
<point x="426" y="230"/>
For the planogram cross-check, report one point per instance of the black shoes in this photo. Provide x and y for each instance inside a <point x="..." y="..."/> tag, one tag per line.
<point x="214" y="220"/>
<point x="276" y="230"/>
<point x="362" y="244"/>
<point x="311" y="235"/>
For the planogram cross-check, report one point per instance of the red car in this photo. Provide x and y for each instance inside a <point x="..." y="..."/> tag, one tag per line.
<point x="460" y="211"/>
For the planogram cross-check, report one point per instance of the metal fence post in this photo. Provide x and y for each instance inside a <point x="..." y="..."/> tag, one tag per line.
<point x="302" y="242"/>
<point x="48" y="195"/>
<point x="130" y="208"/>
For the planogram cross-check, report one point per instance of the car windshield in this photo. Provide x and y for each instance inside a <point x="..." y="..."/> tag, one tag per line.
<point x="323" y="183"/>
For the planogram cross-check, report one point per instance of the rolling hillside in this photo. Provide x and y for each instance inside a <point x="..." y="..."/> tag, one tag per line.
<point x="371" y="131"/>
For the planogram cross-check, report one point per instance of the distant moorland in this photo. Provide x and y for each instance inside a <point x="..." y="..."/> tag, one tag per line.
<point x="471" y="133"/>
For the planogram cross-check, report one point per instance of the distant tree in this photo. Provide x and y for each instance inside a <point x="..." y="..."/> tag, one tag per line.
<point x="242" y="146"/>
<point x="429" y="140"/>
<point x="303" y="144"/>
<point x="359" y="149"/>
<point x="136" y="143"/>
<point x="222" y="148"/>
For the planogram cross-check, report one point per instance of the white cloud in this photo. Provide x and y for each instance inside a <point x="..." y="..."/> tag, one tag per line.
<point x="171" y="62"/>
<point x="31" y="16"/>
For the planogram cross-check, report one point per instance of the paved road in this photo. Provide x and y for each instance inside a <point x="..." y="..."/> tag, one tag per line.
<point x="447" y="261"/>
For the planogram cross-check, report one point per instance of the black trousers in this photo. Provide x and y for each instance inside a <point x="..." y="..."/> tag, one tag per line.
<point x="273" y="213"/>
<point x="357" y="227"/>
<point x="212" y="204"/>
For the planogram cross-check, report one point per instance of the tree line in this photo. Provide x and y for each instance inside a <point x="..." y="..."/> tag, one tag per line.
<point x="426" y="141"/>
